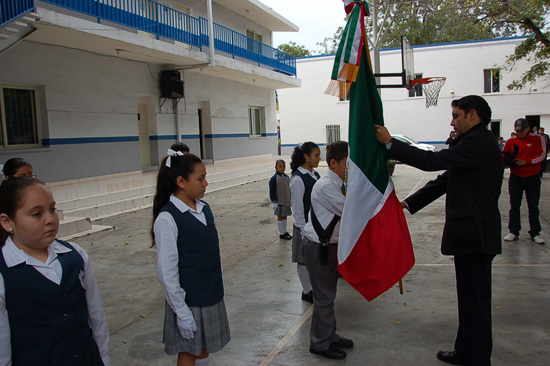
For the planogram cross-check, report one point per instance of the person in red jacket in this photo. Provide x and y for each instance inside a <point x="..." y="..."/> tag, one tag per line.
<point x="523" y="155"/>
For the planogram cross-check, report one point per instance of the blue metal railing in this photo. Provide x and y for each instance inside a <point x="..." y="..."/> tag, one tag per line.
<point x="163" y="21"/>
<point x="12" y="9"/>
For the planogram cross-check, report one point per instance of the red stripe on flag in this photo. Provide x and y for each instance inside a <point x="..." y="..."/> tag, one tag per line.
<point x="382" y="255"/>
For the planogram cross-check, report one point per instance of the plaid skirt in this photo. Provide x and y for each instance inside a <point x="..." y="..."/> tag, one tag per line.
<point x="297" y="246"/>
<point x="283" y="211"/>
<point x="212" y="330"/>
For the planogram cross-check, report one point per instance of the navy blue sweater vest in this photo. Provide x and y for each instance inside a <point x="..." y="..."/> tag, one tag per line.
<point x="309" y="182"/>
<point x="49" y="322"/>
<point x="199" y="262"/>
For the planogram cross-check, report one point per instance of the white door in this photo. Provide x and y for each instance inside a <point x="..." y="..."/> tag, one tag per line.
<point x="144" y="146"/>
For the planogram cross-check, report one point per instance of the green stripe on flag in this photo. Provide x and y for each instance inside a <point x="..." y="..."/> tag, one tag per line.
<point x="365" y="110"/>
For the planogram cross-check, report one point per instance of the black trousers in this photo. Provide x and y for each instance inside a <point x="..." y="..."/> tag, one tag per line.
<point x="473" y="286"/>
<point x="516" y="186"/>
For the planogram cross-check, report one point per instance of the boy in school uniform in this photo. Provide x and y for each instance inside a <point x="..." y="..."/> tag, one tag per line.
<point x="320" y="253"/>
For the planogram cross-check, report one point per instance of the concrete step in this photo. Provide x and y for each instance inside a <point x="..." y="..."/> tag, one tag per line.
<point x="83" y="201"/>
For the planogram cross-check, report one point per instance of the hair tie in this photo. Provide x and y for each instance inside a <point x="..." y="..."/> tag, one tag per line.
<point x="171" y="153"/>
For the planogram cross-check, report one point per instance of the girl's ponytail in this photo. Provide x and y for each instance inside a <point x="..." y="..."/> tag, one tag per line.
<point x="298" y="159"/>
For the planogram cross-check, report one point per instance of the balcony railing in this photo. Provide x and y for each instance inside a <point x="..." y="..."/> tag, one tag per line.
<point x="13" y="9"/>
<point x="163" y="21"/>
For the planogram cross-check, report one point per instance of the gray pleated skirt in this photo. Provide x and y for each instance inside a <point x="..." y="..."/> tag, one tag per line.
<point x="297" y="246"/>
<point x="212" y="330"/>
<point x="283" y="211"/>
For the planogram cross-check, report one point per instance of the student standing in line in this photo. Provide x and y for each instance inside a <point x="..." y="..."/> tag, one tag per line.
<point x="50" y="309"/>
<point x="17" y="167"/>
<point x="279" y="193"/>
<point x="321" y="253"/>
<point x="189" y="262"/>
<point x="304" y="159"/>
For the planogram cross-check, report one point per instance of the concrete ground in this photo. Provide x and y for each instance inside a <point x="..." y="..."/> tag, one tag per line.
<point x="269" y="322"/>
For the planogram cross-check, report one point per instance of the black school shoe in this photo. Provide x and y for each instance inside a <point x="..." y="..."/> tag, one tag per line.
<point x="332" y="352"/>
<point x="285" y="236"/>
<point x="308" y="297"/>
<point x="343" y="343"/>
<point x="452" y="357"/>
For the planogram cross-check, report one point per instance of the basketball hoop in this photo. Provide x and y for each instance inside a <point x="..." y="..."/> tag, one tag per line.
<point x="431" y="87"/>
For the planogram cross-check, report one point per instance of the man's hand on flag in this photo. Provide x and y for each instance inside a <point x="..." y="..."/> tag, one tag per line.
<point x="382" y="134"/>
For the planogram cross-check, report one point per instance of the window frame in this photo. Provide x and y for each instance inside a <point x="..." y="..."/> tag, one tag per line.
<point x="4" y="142"/>
<point x="333" y="133"/>
<point x="260" y="124"/>
<point x="495" y="76"/>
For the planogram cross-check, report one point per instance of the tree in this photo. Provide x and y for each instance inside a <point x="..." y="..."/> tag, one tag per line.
<point x="330" y="44"/>
<point x="526" y="17"/>
<point x="294" y="50"/>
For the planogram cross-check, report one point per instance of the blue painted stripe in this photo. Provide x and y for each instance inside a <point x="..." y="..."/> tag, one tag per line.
<point x="294" y="145"/>
<point x="234" y="135"/>
<point x="88" y="140"/>
<point x="162" y="137"/>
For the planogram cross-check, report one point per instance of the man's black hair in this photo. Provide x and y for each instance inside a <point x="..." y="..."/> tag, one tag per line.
<point x="476" y="102"/>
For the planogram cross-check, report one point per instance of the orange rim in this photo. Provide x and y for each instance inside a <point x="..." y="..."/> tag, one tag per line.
<point x="426" y="80"/>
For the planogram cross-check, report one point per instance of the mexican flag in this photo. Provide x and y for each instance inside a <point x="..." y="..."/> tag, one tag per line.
<point x="375" y="249"/>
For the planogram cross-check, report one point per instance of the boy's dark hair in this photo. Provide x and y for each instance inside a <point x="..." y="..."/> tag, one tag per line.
<point x="476" y="102"/>
<point x="297" y="158"/>
<point x="180" y="166"/>
<point x="180" y="146"/>
<point x="279" y="161"/>
<point x="11" y="166"/>
<point x="12" y="193"/>
<point x="337" y="150"/>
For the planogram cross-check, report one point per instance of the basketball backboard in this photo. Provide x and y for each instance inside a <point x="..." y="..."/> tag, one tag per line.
<point x="406" y="75"/>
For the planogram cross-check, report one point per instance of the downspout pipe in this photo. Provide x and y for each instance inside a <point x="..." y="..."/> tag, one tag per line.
<point x="211" y="58"/>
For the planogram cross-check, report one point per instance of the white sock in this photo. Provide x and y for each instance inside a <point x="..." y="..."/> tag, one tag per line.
<point x="282" y="227"/>
<point x="304" y="278"/>
<point x="202" y="361"/>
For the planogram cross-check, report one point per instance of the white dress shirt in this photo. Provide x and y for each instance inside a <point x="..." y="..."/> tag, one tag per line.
<point x="327" y="200"/>
<point x="297" y="190"/>
<point x="166" y="237"/>
<point x="53" y="271"/>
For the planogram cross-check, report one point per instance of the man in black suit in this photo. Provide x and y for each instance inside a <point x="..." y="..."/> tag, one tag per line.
<point x="472" y="233"/>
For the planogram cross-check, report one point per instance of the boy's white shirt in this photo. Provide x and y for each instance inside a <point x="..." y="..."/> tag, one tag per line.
<point x="327" y="200"/>
<point x="297" y="190"/>
<point x="166" y="236"/>
<point x="53" y="271"/>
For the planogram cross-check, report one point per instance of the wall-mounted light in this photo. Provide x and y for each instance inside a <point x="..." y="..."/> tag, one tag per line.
<point x="452" y="91"/>
<point x="534" y="88"/>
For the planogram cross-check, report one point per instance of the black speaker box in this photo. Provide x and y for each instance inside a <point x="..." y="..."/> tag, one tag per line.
<point x="171" y="85"/>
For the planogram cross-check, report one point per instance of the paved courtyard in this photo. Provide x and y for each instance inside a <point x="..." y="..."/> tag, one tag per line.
<point x="269" y="322"/>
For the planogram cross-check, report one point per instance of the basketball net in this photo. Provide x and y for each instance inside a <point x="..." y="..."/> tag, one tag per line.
<point x="431" y="88"/>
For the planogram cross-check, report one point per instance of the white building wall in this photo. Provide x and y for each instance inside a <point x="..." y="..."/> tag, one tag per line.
<point x="89" y="112"/>
<point x="304" y="112"/>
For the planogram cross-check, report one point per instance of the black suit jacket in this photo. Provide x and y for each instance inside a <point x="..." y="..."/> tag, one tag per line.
<point x="472" y="181"/>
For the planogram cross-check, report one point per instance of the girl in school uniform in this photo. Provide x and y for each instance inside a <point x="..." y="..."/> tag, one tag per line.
<point x="189" y="262"/>
<point x="279" y="193"/>
<point x="304" y="159"/>
<point x="17" y="167"/>
<point x="50" y="309"/>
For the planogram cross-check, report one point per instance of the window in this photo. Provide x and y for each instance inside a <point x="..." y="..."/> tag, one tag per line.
<point x="416" y="91"/>
<point x="256" y="116"/>
<point x="251" y="43"/>
<point x="333" y="133"/>
<point x="491" y="80"/>
<point x="18" y="111"/>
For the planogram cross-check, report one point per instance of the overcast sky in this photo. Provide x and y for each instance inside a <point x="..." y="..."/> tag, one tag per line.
<point x="317" y="20"/>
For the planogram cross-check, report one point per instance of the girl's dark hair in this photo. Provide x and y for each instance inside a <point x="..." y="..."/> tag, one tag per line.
<point x="12" y="193"/>
<point x="297" y="158"/>
<point x="180" y="166"/>
<point x="11" y="166"/>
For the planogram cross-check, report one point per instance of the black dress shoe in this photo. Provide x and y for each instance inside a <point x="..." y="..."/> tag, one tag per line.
<point x="343" y="343"/>
<point x="452" y="357"/>
<point x="332" y="353"/>
<point x="285" y="236"/>
<point x="308" y="297"/>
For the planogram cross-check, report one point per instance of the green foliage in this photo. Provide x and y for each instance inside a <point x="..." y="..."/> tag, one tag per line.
<point x="294" y="50"/>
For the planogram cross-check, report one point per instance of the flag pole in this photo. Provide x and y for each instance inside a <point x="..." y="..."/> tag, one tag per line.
<point x="401" y="286"/>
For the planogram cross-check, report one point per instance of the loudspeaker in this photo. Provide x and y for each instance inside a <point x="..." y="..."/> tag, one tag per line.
<point x="171" y="85"/>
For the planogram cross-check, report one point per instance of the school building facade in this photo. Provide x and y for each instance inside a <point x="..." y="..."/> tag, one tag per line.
<point x="307" y="114"/>
<point x="97" y="87"/>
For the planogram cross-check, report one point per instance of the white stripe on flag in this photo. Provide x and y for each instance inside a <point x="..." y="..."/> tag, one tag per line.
<point x="365" y="202"/>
